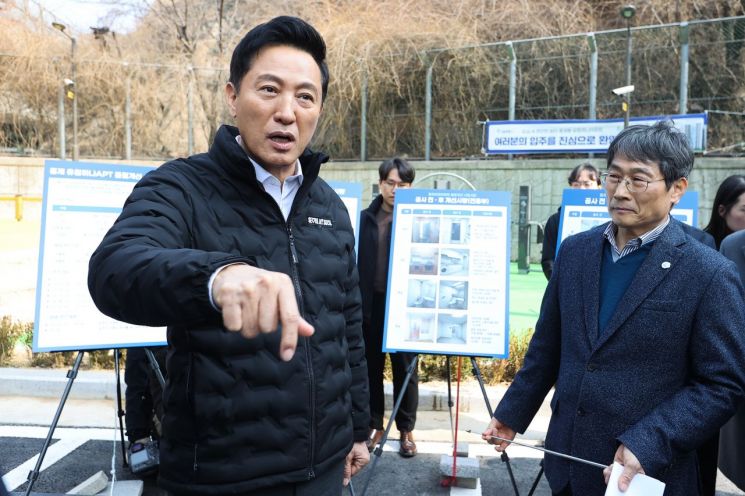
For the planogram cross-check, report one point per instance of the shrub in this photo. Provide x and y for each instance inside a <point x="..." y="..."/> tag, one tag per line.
<point x="10" y="332"/>
<point x="493" y="371"/>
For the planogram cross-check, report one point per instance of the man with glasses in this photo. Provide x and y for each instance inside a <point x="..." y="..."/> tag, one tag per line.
<point x="375" y="243"/>
<point x="640" y="333"/>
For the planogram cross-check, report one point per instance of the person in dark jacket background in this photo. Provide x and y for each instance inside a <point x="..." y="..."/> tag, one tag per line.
<point x="732" y="438"/>
<point x="248" y="257"/>
<point x="728" y="211"/>
<point x="583" y="176"/>
<point x="375" y="245"/>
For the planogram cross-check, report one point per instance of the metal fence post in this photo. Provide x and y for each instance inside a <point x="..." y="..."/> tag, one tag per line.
<point x="127" y="114"/>
<point x="61" y="120"/>
<point x="363" y="117"/>
<point x="513" y="84"/>
<point x="593" y="98"/>
<point x="592" y="114"/>
<point x="683" y="98"/>
<point x="428" y="113"/>
<point x="190" y="111"/>
<point x="76" y="85"/>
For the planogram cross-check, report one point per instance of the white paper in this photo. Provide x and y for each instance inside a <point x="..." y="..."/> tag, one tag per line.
<point x="641" y="485"/>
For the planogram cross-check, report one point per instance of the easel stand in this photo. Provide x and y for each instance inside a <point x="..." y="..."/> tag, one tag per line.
<point x="379" y="450"/>
<point x="71" y="375"/>
<point x="477" y="373"/>
<point x="119" y="410"/>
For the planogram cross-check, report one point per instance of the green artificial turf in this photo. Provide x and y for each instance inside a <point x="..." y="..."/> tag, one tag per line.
<point x="526" y="293"/>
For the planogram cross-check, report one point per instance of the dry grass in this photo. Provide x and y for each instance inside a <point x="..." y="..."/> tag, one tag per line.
<point x="386" y="42"/>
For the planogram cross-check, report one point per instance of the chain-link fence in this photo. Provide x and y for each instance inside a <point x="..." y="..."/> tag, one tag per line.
<point x="426" y="104"/>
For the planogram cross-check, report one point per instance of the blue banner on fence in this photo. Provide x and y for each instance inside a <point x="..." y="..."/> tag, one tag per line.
<point x="577" y="136"/>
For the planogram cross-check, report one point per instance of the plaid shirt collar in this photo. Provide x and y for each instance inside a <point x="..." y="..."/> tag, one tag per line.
<point x="634" y="244"/>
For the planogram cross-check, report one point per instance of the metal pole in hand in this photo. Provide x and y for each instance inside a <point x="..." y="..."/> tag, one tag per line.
<point x="550" y="452"/>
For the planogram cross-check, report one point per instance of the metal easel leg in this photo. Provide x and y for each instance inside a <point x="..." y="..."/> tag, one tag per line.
<point x="504" y="457"/>
<point x="379" y="450"/>
<point x="71" y="374"/>
<point x="119" y="410"/>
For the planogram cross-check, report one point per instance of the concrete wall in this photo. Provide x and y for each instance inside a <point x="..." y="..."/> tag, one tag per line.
<point x="547" y="178"/>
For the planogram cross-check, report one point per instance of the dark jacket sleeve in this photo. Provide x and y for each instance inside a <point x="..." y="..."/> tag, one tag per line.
<point x="716" y="382"/>
<point x="550" y="237"/>
<point x="144" y="271"/>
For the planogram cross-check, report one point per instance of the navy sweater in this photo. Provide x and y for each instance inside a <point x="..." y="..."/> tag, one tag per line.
<point x="615" y="278"/>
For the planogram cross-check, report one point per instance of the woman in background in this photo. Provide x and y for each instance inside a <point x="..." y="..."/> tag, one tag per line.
<point x="727" y="216"/>
<point x="728" y="211"/>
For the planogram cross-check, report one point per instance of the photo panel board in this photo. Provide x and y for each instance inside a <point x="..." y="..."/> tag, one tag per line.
<point x="81" y="201"/>
<point x="448" y="274"/>
<point x="583" y="209"/>
<point x="351" y="195"/>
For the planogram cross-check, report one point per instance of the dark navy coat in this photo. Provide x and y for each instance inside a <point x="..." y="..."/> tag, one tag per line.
<point x="664" y="376"/>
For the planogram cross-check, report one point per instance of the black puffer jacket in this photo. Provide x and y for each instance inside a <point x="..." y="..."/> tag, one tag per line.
<point x="236" y="417"/>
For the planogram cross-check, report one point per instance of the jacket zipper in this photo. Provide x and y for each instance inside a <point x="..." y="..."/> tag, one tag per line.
<point x="309" y="367"/>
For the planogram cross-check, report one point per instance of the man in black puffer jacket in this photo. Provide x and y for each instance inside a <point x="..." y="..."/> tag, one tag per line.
<point x="248" y="257"/>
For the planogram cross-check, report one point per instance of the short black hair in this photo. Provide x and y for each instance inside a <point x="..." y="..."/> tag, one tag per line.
<point x="586" y="166"/>
<point x="280" y="31"/>
<point x="661" y="143"/>
<point x="405" y="170"/>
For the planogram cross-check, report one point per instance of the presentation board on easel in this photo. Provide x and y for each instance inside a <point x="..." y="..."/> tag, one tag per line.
<point x="448" y="276"/>
<point x="351" y="195"/>
<point x="81" y="201"/>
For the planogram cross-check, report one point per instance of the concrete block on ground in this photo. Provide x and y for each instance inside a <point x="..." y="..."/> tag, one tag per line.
<point x="125" y="488"/>
<point x="461" y="449"/>
<point x="92" y="485"/>
<point x="466" y="470"/>
<point x="466" y="482"/>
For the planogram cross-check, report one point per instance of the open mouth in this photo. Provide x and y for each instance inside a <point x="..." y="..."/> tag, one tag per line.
<point x="282" y="138"/>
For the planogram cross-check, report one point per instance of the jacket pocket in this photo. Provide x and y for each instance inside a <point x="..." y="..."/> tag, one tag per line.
<point x="661" y="305"/>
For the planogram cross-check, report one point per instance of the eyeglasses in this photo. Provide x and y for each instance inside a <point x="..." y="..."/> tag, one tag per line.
<point x="393" y="184"/>
<point x="633" y="184"/>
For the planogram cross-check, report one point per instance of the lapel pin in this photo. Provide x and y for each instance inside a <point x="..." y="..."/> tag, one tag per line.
<point x="665" y="265"/>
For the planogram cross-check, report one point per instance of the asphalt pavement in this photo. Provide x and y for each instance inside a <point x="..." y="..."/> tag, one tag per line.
<point x="87" y="436"/>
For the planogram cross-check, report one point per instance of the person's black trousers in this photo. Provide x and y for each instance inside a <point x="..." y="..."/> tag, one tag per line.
<point x="138" y="403"/>
<point x="400" y="362"/>
<point x="708" y="457"/>
<point x="143" y="394"/>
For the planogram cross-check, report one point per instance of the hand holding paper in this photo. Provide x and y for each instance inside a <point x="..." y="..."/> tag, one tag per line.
<point x="641" y="485"/>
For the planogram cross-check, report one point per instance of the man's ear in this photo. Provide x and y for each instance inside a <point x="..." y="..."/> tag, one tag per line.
<point x="678" y="190"/>
<point x="231" y="94"/>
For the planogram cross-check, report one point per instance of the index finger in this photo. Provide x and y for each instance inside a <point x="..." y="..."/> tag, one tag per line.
<point x="290" y="321"/>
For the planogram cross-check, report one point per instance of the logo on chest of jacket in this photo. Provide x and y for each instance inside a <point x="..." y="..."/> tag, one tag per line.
<point x="317" y="221"/>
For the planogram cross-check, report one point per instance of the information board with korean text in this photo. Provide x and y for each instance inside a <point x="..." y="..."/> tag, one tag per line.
<point x="583" y="209"/>
<point x="448" y="275"/>
<point x="81" y="202"/>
